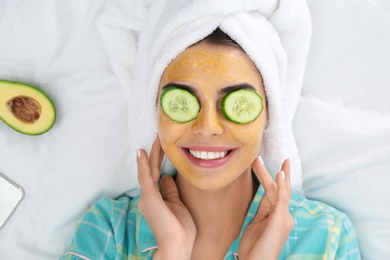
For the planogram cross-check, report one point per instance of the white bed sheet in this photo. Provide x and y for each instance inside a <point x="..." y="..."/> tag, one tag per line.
<point x="342" y="124"/>
<point x="345" y="112"/>
<point x="55" y="45"/>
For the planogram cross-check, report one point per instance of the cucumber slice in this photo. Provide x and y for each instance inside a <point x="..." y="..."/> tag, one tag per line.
<point x="242" y="106"/>
<point x="179" y="104"/>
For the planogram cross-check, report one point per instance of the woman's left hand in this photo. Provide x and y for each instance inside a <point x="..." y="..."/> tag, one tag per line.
<point x="266" y="234"/>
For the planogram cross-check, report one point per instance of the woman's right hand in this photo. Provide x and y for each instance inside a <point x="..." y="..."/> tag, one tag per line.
<point x="167" y="216"/>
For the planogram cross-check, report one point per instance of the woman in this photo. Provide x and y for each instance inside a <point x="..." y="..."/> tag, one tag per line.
<point x="222" y="203"/>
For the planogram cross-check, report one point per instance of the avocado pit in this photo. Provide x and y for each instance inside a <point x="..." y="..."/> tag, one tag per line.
<point x="24" y="108"/>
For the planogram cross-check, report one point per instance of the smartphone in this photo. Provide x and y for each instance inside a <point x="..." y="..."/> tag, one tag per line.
<point x="11" y="195"/>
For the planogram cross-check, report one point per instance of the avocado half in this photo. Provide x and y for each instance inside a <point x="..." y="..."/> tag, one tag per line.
<point x="26" y="108"/>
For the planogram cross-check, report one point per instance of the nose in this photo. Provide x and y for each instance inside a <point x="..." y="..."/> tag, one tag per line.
<point x="208" y="122"/>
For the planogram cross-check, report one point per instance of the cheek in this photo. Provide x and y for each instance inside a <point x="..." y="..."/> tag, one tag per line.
<point x="250" y="135"/>
<point x="165" y="129"/>
<point x="251" y="131"/>
<point x="255" y="133"/>
<point x="170" y="133"/>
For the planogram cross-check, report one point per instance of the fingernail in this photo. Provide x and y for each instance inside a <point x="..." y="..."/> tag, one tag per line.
<point x="155" y="136"/>
<point x="261" y="160"/>
<point x="283" y="175"/>
<point x="139" y="153"/>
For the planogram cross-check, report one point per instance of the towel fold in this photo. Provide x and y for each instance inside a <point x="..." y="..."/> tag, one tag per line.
<point x="142" y="36"/>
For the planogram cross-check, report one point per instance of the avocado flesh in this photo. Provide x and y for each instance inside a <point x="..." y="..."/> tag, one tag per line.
<point x="25" y="108"/>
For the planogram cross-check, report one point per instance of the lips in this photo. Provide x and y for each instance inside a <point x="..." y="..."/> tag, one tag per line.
<point x="209" y="157"/>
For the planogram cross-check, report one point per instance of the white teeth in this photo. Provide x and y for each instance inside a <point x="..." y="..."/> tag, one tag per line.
<point x="210" y="155"/>
<point x="207" y="155"/>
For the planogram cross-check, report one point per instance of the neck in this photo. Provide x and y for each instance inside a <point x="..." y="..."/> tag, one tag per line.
<point x="218" y="214"/>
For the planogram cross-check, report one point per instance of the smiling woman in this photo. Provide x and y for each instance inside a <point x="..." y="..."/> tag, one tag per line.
<point x="213" y="156"/>
<point x="222" y="202"/>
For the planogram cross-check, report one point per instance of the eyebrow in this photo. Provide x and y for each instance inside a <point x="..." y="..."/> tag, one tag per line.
<point x="236" y="87"/>
<point x="185" y="87"/>
<point x="220" y="92"/>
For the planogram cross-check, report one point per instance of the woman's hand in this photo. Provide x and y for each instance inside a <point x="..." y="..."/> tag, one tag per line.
<point x="266" y="234"/>
<point x="167" y="216"/>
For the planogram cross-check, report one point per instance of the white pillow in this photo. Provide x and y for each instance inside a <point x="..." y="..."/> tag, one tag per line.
<point x="55" y="45"/>
<point x="343" y="121"/>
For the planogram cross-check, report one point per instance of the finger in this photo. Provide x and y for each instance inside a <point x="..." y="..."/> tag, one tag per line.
<point x="287" y="170"/>
<point x="283" y="193"/>
<point x="169" y="189"/>
<point x="266" y="180"/>
<point x="283" y="181"/>
<point x="144" y="174"/>
<point x="282" y="185"/>
<point x="156" y="156"/>
<point x="263" y="210"/>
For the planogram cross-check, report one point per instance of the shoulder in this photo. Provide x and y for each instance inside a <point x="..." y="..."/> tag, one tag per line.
<point x="322" y="228"/>
<point x="313" y="211"/>
<point x="300" y="204"/>
<point x="103" y="228"/>
<point x="109" y="208"/>
<point x="109" y="211"/>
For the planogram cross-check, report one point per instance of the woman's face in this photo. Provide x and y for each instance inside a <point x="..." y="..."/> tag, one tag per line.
<point x="210" y="72"/>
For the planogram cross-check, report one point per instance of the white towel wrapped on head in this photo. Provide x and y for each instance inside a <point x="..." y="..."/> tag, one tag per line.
<point x="143" y="36"/>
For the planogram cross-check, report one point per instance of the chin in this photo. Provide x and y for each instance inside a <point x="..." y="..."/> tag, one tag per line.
<point x="209" y="180"/>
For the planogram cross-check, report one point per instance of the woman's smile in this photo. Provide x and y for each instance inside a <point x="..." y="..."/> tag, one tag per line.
<point x="209" y="157"/>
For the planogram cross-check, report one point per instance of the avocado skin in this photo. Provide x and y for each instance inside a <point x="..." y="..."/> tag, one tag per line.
<point x="48" y="111"/>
